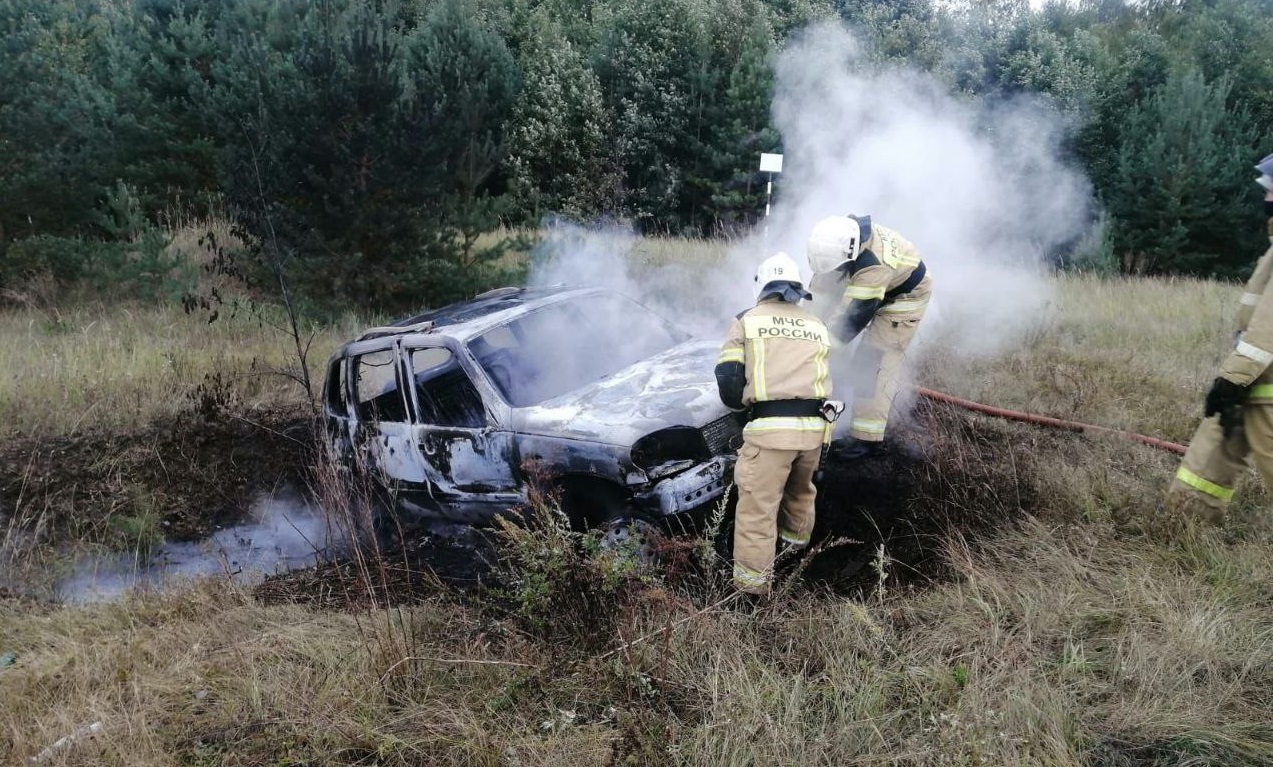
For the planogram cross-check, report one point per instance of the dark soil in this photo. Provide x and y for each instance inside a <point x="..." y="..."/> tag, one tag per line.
<point x="942" y="471"/>
<point x="190" y="476"/>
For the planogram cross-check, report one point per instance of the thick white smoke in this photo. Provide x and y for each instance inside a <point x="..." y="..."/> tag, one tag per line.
<point x="700" y="294"/>
<point x="978" y="186"/>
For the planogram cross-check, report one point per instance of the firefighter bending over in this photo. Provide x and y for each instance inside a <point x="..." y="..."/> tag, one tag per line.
<point x="774" y="365"/>
<point x="883" y="287"/>
<point x="1238" y="413"/>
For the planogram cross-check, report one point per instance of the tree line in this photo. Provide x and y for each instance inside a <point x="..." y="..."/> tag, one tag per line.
<point x="366" y="148"/>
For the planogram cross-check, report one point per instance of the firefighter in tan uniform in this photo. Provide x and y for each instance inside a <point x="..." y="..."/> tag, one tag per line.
<point x="883" y="287"/>
<point x="1238" y="415"/>
<point x="774" y="366"/>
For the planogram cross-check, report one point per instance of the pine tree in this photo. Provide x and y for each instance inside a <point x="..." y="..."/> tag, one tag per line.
<point x="56" y="157"/>
<point x="735" y="190"/>
<point x="158" y="68"/>
<point x="358" y="149"/>
<point x="465" y="75"/>
<point x="650" y="61"/>
<point x="1180" y="181"/>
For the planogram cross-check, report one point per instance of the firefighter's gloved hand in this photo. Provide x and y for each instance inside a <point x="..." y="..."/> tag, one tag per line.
<point x="831" y="410"/>
<point x="1225" y="398"/>
<point x="1230" y="420"/>
<point x="1224" y="394"/>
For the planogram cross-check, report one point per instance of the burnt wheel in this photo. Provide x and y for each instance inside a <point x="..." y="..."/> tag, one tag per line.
<point x="632" y="536"/>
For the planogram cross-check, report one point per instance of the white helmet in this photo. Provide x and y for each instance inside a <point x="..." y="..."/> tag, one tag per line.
<point x="1265" y="167"/>
<point x="834" y="242"/>
<point x="779" y="267"/>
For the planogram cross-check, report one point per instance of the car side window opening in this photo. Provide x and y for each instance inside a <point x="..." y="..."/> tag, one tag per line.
<point x="376" y="388"/>
<point x="336" y="388"/>
<point x="444" y="393"/>
<point x="496" y="351"/>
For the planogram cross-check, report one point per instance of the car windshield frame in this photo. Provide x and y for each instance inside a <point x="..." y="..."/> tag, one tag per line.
<point x="569" y="344"/>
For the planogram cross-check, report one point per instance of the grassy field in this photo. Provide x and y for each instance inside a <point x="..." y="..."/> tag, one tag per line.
<point x="1128" y="353"/>
<point x="118" y="368"/>
<point x="1067" y="630"/>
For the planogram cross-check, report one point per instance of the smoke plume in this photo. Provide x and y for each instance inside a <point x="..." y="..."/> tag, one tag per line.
<point x="978" y="185"/>
<point x="284" y="532"/>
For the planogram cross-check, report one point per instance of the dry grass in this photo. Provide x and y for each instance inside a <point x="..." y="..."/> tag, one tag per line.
<point x="1072" y="638"/>
<point x="656" y="252"/>
<point x="119" y="368"/>
<point x="1128" y="353"/>
<point x="1045" y="649"/>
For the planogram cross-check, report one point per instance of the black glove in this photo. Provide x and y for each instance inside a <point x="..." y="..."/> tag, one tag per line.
<point x="860" y="314"/>
<point x="1225" y="398"/>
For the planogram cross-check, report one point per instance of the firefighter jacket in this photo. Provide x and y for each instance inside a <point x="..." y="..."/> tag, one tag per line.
<point x="774" y="364"/>
<point x="1248" y="364"/>
<point x="885" y="270"/>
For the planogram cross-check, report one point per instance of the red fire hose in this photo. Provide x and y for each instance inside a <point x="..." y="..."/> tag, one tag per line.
<point x="1055" y="423"/>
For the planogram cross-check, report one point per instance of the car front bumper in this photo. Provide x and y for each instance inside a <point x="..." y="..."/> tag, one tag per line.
<point x="689" y="489"/>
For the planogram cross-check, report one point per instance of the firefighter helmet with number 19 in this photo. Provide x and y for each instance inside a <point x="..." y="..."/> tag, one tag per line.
<point x="780" y="275"/>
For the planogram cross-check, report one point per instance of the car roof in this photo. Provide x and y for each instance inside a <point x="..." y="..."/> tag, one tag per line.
<point x="465" y="319"/>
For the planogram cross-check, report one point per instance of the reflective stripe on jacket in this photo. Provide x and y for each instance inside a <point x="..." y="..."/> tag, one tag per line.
<point x="784" y="350"/>
<point x="886" y="262"/>
<point x="1253" y="353"/>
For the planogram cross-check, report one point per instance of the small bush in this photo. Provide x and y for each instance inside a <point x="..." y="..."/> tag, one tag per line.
<point x="64" y="258"/>
<point x="566" y="589"/>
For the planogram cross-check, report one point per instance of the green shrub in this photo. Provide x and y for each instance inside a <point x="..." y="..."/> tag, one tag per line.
<point x="144" y="269"/>
<point x="568" y="591"/>
<point x="65" y="258"/>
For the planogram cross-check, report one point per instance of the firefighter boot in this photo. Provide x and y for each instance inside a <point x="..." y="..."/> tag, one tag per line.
<point x="851" y="449"/>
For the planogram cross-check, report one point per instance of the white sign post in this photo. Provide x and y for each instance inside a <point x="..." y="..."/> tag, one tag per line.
<point x="771" y="164"/>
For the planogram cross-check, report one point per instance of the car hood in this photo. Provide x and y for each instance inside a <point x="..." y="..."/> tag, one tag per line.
<point x="674" y="388"/>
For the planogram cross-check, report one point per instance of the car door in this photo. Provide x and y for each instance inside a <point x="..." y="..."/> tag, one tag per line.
<point x="338" y="421"/>
<point x="382" y="433"/>
<point x="457" y="429"/>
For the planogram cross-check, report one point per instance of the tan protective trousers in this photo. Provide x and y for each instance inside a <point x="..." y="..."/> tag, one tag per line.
<point x="775" y="500"/>
<point x="1204" y="483"/>
<point x="877" y="364"/>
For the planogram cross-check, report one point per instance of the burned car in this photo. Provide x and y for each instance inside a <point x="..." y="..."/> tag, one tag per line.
<point x="460" y="411"/>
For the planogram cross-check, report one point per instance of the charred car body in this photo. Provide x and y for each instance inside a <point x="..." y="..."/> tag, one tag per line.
<point x="460" y="410"/>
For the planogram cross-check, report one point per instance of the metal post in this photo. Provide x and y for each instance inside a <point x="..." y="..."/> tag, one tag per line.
<point x="771" y="164"/>
<point x="769" y="194"/>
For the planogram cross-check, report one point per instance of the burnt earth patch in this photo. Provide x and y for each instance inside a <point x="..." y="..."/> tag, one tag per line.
<point x="409" y="567"/>
<point x="187" y="476"/>
<point x="942" y="471"/>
